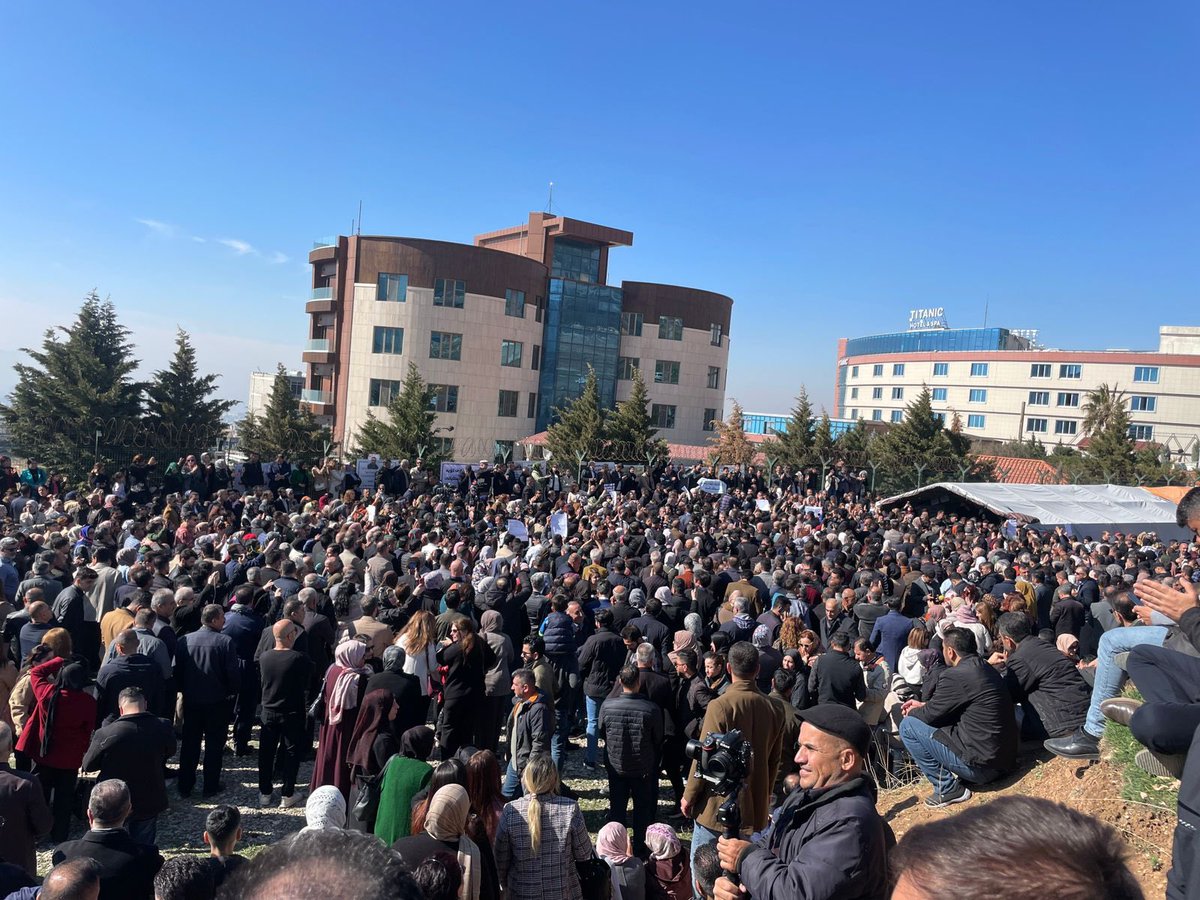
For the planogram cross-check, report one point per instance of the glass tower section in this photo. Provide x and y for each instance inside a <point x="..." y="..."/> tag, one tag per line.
<point x="947" y="340"/>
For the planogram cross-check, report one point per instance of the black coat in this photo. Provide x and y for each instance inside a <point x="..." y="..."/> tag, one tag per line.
<point x="600" y="660"/>
<point x="134" y="748"/>
<point x="973" y="714"/>
<point x="837" y="678"/>
<point x="407" y="691"/>
<point x="633" y="728"/>
<point x="24" y="817"/>
<point x="656" y="688"/>
<point x="1039" y="673"/>
<point x="130" y="671"/>
<point x="656" y="632"/>
<point x="207" y="667"/>
<point x="127" y="868"/>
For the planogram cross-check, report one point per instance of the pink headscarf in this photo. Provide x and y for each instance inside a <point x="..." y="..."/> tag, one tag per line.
<point x="612" y="843"/>
<point x="344" y="696"/>
<point x="1066" y="643"/>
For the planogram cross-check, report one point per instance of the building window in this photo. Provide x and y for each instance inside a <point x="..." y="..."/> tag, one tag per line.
<point x="576" y="260"/>
<point x="539" y="305"/>
<point x="510" y="353"/>
<point x="392" y="287"/>
<point x="445" y="345"/>
<point x="977" y="395"/>
<point x="1039" y="398"/>
<point x="626" y="365"/>
<point x="1070" y="370"/>
<point x="1143" y="404"/>
<point x="387" y="340"/>
<point x="1146" y="374"/>
<point x="975" y="420"/>
<point x="897" y="415"/>
<point x="443" y="446"/>
<point x="979" y="370"/>
<point x="536" y="359"/>
<point x="1068" y="399"/>
<point x="897" y="369"/>
<point x="710" y="416"/>
<point x="941" y="369"/>
<point x="1065" y="426"/>
<point x="714" y="377"/>
<point x="854" y="393"/>
<point x="877" y="370"/>
<point x="502" y="451"/>
<point x="448" y="292"/>
<point x="508" y="404"/>
<point x="897" y="393"/>
<point x="666" y="372"/>
<point x="877" y="415"/>
<point x="716" y="334"/>
<point x="1036" y="426"/>
<point x="877" y="393"/>
<point x="939" y="393"/>
<point x="1039" y="370"/>
<point x="854" y="414"/>
<point x="670" y="328"/>
<point x="444" y="398"/>
<point x="381" y="391"/>
<point x="662" y="415"/>
<point x="532" y="411"/>
<point x="854" y="371"/>
<point x="514" y="303"/>
<point x="940" y="418"/>
<point x="1141" y="432"/>
<point x="631" y="324"/>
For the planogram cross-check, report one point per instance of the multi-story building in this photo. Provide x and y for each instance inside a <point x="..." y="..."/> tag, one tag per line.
<point x="505" y="331"/>
<point x="261" y="385"/>
<point x="1004" y="387"/>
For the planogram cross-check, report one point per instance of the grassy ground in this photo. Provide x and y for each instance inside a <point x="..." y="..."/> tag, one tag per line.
<point x="1136" y="785"/>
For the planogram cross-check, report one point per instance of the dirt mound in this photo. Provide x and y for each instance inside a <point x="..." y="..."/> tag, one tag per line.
<point x="1093" y="788"/>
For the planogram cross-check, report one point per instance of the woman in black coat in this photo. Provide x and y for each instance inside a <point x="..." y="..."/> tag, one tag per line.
<point x="466" y="658"/>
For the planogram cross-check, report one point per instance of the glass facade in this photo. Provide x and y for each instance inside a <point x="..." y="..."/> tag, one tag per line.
<point x="392" y="287"/>
<point x="761" y="423"/>
<point x="387" y="340"/>
<point x="576" y="261"/>
<point x="583" y="329"/>
<point x="948" y="340"/>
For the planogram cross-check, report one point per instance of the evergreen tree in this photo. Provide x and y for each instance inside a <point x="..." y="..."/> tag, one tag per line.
<point x="628" y="434"/>
<point x="579" y="431"/>
<point x="77" y="401"/>
<point x="1030" y="449"/>
<point x="181" y="414"/>
<point x="409" y="431"/>
<point x="918" y="450"/>
<point x="824" y="447"/>
<point x="1110" y="450"/>
<point x="794" y="447"/>
<point x="284" y="427"/>
<point x="730" y="444"/>
<point x="855" y="443"/>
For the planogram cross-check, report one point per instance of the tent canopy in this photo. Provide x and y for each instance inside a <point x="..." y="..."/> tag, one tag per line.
<point x="1087" y="508"/>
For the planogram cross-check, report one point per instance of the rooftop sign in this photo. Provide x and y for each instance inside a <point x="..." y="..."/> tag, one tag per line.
<point x="928" y="319"/>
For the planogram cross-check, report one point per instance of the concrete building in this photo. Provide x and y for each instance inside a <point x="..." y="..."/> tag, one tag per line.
<point x="261" y="384"/>
<point x="1005" y="387"/>
<point x="505" y="330"/>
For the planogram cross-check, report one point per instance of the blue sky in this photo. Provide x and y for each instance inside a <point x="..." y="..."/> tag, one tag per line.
<point x="829" y="166"/>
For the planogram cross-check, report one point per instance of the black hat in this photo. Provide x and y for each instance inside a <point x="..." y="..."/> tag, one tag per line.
<point x="840" y="721"/>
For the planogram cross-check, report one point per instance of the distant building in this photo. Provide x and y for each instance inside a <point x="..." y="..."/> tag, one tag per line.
<point x="261" y="384"/>
<point x="773" y="423"/>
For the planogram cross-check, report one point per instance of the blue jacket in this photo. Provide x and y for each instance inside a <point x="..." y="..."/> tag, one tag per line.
<point x="558" y="631"/>
<point x="207" y="667"/>
<point x="890" y="636"/>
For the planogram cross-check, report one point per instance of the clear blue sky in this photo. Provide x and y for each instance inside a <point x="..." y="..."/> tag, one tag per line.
<point x="827" y="165"/>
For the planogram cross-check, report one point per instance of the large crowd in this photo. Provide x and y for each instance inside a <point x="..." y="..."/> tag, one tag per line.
<point x="768" y="645"/>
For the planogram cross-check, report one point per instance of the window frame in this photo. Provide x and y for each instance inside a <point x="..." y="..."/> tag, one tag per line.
<point x="448" y="338"/>
<point x="385" y="332"/>
<point x="450" y="394"/>
<point x="980" y="369"/>
<point x="657" y="421"/>
<point x="500" y="405"/>
<point x="660" y="374"/>
<point x="1042" y="421"/>
<point x="671" y="325"/>
<point x="976" y="420"/>
<point x="514" y="300"/>
<point x="381" y="292"/>
<point x="507" y="359"/>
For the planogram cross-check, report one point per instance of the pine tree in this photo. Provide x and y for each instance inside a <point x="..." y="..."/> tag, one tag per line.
<point x="794" y="447"/>
<point x="855" y="442"/>
<point x="628" y="433"/>
<point x="77" y="401"/>
<point x="409" y="431"/>
<point x="1110" y="450"/>
<point x="823" y="444"/>
<point x="284" y="427"/>
<point x="182" y="416"/>
<point x="918" y="450"/>
<point x="730" y="444"/>
<point x="579" y="432"/>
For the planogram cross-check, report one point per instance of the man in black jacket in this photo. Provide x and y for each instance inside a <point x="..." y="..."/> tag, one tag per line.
<point x="968" y="730"/>
<point x="530" y="728"/>
<point x="129" y="668"/>
<point x="285" y="674"/>
<point x="134" y="749"/>
<point x="1044" y="681"/>
<point x="74" y="611"/>
<point x="208" y="673"/>
<point x="837" y="677"/>
<point x="633" y="732"/>
<point x="655" y="630"/>
<point x="600" y="660"/>
<point x="127" y="868"/>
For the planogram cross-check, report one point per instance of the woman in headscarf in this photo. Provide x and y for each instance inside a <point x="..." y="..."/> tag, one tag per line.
<point x="497" y="682"/>
<point x="373" y="743"/>
<point x="628" y="872"/>
<point x="685" y="640"/>
<point x="668" y="875"/>
<point x="466" y="659"/>
<point x="693" y="623"/>
<point x="325" y="809"/>
<point x="445" y="829"/>
<point x="345" y="683"/>
<point x="57" y="733"/>
<point x="407" y="774"/>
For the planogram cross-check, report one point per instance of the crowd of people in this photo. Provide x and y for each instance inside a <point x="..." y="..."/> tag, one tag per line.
<point x="449" y="656"/>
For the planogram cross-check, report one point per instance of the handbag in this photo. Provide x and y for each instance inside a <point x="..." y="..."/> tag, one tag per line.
<point x="365" y="794"/>
<point x="316" y="712"/>
<point x="595" y="878"/>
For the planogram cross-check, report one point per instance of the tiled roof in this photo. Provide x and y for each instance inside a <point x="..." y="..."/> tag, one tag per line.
<point x="1016" y="470"/>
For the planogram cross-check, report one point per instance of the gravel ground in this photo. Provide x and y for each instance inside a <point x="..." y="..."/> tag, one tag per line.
<point x="181" y="828"/>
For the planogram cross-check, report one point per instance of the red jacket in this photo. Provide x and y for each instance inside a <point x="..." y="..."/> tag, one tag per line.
<point x="74" y="720"/>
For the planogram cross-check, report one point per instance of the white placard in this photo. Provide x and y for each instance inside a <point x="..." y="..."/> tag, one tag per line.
<point x="517" y="529"/>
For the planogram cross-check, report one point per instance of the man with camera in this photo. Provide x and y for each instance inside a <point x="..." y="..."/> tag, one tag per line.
<point x="760" y="721"/>
<point x="828" y="840"/>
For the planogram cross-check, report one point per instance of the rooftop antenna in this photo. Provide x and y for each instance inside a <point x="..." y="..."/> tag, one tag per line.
<point x="986" y="300"/>
<point x="550" y="199"/>
<point x="358" y="231"/>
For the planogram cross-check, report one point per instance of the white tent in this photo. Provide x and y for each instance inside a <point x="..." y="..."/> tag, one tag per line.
<point x="1087" y="509"/>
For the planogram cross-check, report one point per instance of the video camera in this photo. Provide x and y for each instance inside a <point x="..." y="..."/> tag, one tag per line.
<point x="723" y="760"/>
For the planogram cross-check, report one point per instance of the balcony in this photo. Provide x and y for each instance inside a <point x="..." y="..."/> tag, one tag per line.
<point x="323" y="250"/>
<point x="320" y="403"/>
<point x="319" y="350"/>
<point x="329" y="241"/>
<point x="321" y="300"/>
